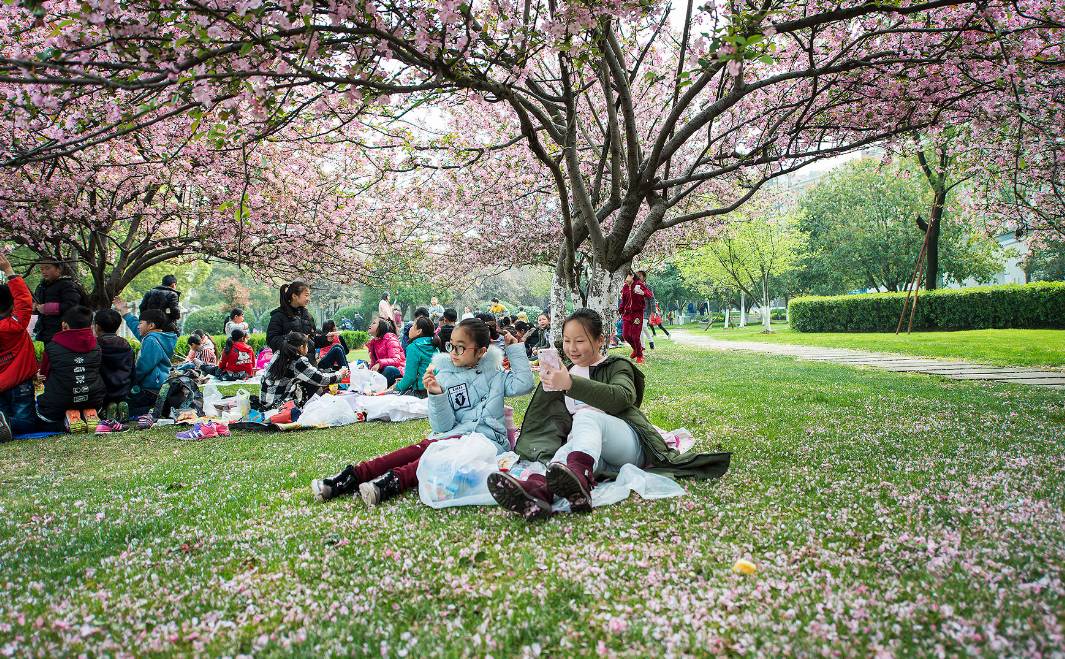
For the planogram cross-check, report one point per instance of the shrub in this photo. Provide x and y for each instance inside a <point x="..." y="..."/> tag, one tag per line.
<point x="211" y="320"/>
<point x="1039" y="305"/>
<point x="356" y="339"/>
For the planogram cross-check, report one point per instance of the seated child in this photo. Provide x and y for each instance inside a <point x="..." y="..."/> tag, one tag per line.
<point x="263" y="360"/>
<point x="238" y="359"/>
<point x="201" y="351"/>
<point x="18" y="361"/>
<point x="71" y="367"/>
<point x="153" y="363"/>
<point x="466" y="390"/>
<point x="333" y="355"/>
<point x="420" y="352"/>
<point x="236" y="322"/>
<point x="291" y="376"/>
<point x="116" y="366"/>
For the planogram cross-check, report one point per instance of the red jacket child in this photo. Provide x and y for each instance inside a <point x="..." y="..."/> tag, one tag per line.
<point x="240" y="358"/>
<point x="18" y="362"/>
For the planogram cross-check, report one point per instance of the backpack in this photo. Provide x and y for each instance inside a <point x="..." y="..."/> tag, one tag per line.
<point x="180" y="392"/>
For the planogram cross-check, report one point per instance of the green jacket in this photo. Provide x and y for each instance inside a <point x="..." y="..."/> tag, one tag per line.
<point x="616" y="387"/>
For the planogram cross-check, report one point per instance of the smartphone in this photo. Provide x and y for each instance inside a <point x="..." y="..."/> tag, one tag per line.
<point x="549" y="358"/>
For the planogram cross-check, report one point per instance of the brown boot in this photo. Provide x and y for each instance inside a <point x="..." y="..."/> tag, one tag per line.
<point x="529" y="498"/>
<point x="573" y="481"/>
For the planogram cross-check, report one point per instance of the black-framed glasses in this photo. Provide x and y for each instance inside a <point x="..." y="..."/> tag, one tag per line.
<point x="451" y="347"/>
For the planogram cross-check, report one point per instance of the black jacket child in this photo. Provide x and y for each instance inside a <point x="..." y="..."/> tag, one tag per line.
<point x="116" y="366"/>
<point x="281" y="323"/>
<point x="55" y="298"/>
<point x="71" y="367"/>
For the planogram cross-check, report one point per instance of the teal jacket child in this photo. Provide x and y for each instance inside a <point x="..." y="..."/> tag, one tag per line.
<point x="419" y="353"/>
<point x="153" y="362"/>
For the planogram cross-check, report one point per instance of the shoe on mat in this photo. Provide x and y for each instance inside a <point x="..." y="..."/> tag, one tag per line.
<point x="108" y="426"/>
<point x="198" y="432"/>
<point x="145" y="421"/>
<point x="221" y="429"/>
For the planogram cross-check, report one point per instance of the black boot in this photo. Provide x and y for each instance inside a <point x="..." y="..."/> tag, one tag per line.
<point x="380" y="489"/>
<point x="334" y="486"/>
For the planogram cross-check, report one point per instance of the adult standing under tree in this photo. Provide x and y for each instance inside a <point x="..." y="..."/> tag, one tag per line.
<point x="384" y="307"/>
<point x="166" y="298"/>
<point x="292" y="316"/>
<point x="57" y="293"/>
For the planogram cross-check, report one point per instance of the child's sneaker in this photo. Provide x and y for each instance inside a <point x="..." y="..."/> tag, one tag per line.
<point x="198" y="432"/>
<point x="92" y="419"/>
<point x="145" y="421"/>
<point x="221" y="429"/>
<point x="108" y="426"/>
<point x="5" y="429"/>
<point x="380" y="489"/>
<point x="639" y="360"/>
<point x="75" y="424"/>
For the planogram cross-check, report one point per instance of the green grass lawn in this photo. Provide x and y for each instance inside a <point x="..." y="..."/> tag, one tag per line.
<point x="1000" y="347"/>
<point x="885" y="511"/>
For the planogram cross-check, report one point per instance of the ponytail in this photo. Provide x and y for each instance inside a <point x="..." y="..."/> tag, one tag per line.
<point x="236" y="335"/>
<point x="287" y="291"/>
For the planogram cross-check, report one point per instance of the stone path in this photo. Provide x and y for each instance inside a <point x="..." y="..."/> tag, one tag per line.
<point x="954" y="369"/>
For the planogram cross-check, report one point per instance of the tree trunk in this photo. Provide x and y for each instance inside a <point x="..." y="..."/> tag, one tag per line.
<point x="932" y="255"/>
<point x="743" y="309"/>
<point x="604" y="291"/>
<point x="559" y="293"/>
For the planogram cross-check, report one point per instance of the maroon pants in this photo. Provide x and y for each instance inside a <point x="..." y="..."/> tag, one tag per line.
<point x="403" y="461"/>
<point x="631" y="326"/>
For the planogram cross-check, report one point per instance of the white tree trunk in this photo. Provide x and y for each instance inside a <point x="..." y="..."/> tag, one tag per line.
<point x="743" y="309"/>
<point x="765" y="318"/>
<point x="604" y="291"/>
<point x="728" y="312"/>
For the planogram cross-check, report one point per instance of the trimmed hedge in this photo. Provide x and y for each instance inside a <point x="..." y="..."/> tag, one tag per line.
<point x="1029" y="306"/>
<point x="355" y="340"/>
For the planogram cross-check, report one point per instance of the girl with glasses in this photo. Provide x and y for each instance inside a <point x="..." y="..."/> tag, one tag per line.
<point x="466" y="387"/>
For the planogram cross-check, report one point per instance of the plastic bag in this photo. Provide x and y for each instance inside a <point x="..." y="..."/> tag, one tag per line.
<point x="365" y="381"/>
<point x="454" y="472"/>
<point x="327" y="410"/>
<point x="211" y="398"/>
<point x="389" y="408"/>
<point x="632" y="478"/>
<point x="679" y="439"/>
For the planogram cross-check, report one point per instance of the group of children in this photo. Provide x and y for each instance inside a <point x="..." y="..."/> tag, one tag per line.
<point x="92" y="381"/>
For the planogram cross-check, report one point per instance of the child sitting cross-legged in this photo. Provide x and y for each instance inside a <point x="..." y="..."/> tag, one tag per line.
<point x="71" y="367"/>
<point x="290" y="376"/>
<point x="466" y="390"/>
<point x="153" y="364"/>
<point x="116" y="369"/>
<point x="238" y="359"/>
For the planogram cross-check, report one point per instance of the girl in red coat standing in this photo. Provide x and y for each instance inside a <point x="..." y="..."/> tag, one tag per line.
<point x="633" y="300"/>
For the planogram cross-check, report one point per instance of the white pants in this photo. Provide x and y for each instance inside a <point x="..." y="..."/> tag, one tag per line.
<point x="610" y="441"/>
<point x="645" y="332"/>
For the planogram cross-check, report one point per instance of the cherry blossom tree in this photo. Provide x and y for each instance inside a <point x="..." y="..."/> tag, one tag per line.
<point x="635" y="128"/>
<point x="125" y="205"/>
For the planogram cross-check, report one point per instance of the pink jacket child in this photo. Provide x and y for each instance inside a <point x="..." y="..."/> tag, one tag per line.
<point x="387" y="351"/>
<point x="265" y="355"/>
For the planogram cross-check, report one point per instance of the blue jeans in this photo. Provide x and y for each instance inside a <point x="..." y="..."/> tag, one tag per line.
<point x="391" y="374"/>
<point x="18" y="405"/>
<point x="334" y="360"/>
